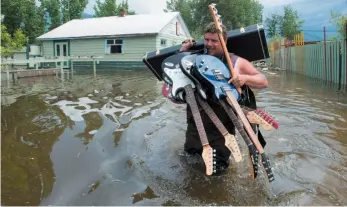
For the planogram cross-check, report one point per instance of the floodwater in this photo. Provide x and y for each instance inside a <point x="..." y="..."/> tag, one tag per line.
<point x="114" y="140"/>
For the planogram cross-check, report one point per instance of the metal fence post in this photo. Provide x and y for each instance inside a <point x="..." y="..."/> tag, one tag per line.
<point x="62" y="70"/>
<point x="94" y="67"/>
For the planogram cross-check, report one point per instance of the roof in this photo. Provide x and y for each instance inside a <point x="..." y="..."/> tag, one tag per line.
<point x="140" y="24"/>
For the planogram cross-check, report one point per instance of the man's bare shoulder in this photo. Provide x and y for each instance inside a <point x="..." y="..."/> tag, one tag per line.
<point x="246" y="66"/>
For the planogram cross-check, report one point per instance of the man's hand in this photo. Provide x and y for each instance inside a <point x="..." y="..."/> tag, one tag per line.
<point x="238" y="80"/>
<point x="245" y="73"/>
<point x="187" y="44"/>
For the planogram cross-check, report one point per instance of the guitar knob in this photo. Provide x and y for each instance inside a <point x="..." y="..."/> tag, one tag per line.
<point x="214" y="150"/>
<point x="202" y="61"/>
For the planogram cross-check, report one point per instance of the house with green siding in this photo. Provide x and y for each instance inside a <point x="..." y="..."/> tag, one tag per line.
<point x="117" y="41"/>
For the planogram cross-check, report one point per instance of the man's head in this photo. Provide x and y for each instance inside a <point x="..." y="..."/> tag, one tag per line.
<point x="211" y="39"/>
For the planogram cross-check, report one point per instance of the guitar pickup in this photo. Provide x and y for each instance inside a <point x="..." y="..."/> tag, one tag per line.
<point x="218" y="74"/>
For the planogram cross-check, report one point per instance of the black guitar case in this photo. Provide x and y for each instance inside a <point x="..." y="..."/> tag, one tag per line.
<point x="249" y="43"/>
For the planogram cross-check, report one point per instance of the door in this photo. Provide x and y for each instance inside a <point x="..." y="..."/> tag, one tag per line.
<point x="61" y="51"/>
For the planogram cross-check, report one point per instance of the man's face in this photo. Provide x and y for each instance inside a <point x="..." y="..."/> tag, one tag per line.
<point x="212" y="43"/>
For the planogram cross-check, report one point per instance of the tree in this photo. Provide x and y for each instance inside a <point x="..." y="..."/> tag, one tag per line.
<point x="9" y="44"/>
<point x="110" y="8"/>
<point x="272" y="24"/>
<point x="234" y="13"/>
<point x="12" y="10"/>
<point x="290" y="24"/>
<point x="52" y="13"/>
<point x="287" y="25"/>
<point x="340" y="22"/>
<point x="73" y="9"/>
<point x="32" y="20"/>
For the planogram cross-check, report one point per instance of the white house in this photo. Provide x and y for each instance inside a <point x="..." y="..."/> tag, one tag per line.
<point x="121" y="40"/>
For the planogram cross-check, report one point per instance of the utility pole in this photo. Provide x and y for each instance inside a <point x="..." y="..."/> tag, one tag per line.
<point x="346" y="49"/>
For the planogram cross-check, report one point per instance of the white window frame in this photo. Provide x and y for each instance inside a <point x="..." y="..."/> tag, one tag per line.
<point x="108" y="48"/>
<point x="163" y="42"/>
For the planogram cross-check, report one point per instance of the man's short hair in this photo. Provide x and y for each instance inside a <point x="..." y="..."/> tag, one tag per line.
<point x="211" y="28"/>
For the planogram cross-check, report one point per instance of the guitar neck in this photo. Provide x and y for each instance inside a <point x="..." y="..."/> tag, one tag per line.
<point x="231" y="100"/>
<point x="190" y="98"/>
<point x="208" y="110"/>
<point x="236" y="122"/>
<point x="230" y="64"/>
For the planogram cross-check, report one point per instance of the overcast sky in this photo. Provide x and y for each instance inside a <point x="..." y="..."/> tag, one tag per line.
<point x="305" y="7"/>
<point x="316" y="13"/>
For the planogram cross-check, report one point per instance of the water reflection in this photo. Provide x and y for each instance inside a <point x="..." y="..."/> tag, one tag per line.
<point x="112" y="139"/>
<point x="30" y="128"/>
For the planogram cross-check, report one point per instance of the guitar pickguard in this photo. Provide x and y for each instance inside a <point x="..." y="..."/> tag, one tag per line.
<point x="213" y="73"/>
<point x="179" y="81"/>
<point x="174" y="77"/>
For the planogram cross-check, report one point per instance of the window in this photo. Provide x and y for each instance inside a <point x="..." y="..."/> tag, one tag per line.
<point x="162" y="42"/>
<point x="114" y="46"/>
<point x="64" y="50"/>
<point x="58" y="50"/>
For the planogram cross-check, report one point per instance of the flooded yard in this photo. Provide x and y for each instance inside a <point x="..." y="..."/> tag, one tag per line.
<point x="114" y="140"/>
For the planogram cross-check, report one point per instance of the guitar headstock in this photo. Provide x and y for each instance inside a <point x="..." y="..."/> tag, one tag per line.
<point x="208" y="155"/>
<point x="255" y="118"/>
<point x="216" y="17"/>
<point x="267" y="118"/>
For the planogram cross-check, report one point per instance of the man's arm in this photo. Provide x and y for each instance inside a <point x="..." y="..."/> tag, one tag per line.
<point x="252" y="77"/>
